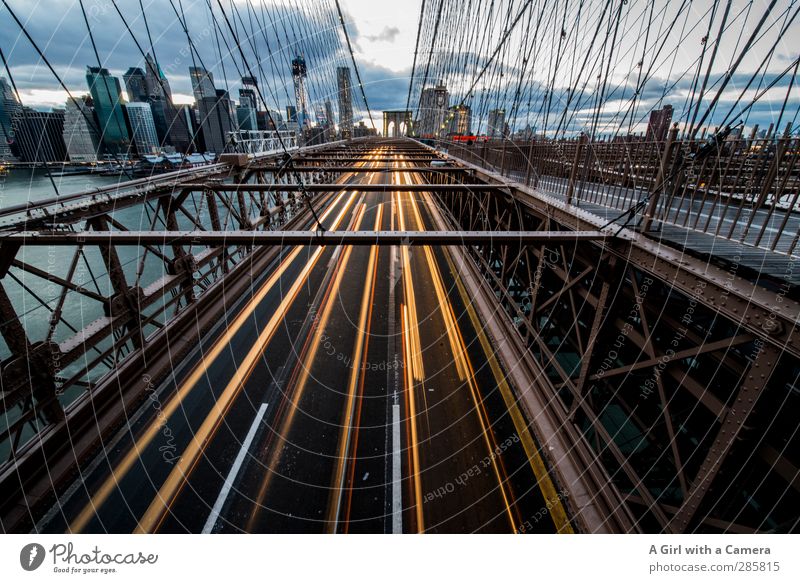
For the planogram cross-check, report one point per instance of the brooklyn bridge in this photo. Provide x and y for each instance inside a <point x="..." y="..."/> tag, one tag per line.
<point x="553" y="288"/>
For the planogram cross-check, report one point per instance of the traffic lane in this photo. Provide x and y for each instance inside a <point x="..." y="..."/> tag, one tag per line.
<point x="273" y="490"/>
<point x="161" y="513"/>
<point x="367" y="497"/>
<point x="171" y="434"/>
<point x="192" y="505"/>
<point x="452" y="440"/>
<point x="533" y="512"/>
<point x="290" y="489"/>
<point x="134" y="488"/>
<point x="151" y="462"/>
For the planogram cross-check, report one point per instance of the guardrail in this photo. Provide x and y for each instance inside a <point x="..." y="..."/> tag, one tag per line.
<point x="746" y="190"/>
<point x="255" y="143"/>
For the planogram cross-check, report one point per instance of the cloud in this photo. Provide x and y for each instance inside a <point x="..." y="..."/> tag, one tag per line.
<point x="388" y="35"/>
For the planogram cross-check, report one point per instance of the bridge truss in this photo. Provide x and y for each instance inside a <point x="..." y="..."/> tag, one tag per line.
<point x="659" y="387"/>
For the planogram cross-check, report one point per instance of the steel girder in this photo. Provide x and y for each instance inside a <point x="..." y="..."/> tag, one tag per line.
<point x="677" y="373"/>
<point x="102" y="302"/>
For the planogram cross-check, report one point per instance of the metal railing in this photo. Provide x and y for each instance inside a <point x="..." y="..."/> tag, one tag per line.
<point x="261" y="142"/>
<point x="746" y="191"/>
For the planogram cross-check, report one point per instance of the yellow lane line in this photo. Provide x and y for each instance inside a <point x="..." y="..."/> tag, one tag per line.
<point x="548" y="489"/>
<point x="462" y="361"/>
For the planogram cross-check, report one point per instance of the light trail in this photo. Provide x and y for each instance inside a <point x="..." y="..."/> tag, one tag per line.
<point x="356" y="380"/>
<point x="307" y="357"/>
<point x="222" y="343"/>
<point x="463" y="365"/>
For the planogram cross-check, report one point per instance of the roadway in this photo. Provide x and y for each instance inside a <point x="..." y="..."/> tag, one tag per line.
<point x="353" y="390"/>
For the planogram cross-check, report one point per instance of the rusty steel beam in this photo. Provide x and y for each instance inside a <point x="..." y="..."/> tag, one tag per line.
<point x="765" y="361"/>
<point x="361" y="169"/>
<point x="300" y="237"/>
<point x="348" y="159"/>
<point x="751" y="306"/>
<point x="336" y="187"/>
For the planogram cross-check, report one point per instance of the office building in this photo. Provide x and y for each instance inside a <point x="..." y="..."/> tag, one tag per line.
<point x="496" y="127"/>
<point x="80" y="130"/>
<point x="155" y="80"/>
<point x="135" y="84"/>
<point x="8" y="110"/>
<point x="39" y="135"/>
<point x="246" y="118"/>
<point x="432" y="112"/>
<point x="107" y="97"/>
<point x="658" y="124"/>
<point x="143" y="128"/>
<point x="202" y="84"/>
<point x="345" y="101"/>
<point x="215" y="121"/>
<point x="459" y="120"/>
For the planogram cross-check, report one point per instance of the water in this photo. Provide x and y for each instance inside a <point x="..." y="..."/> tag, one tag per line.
<point x="29" y="185"/>
<point x="35" y="298"/>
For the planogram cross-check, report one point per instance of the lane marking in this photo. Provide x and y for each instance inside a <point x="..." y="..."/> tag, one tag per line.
<point x="397" y="502"/>
<point x="234" y="471"/>
<point x="413" y="371"/>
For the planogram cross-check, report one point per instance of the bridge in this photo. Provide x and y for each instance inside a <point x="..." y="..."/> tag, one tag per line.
<point x="548" y="331"/>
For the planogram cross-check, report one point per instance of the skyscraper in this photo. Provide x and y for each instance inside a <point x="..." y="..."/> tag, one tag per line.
<point x="291" y="114"/>
<point x="40" y="135"/>
<point x="215" y="120"/>
<point x="80" y="133"/>
<point x="246" y="118"/>
<point x="143" y="127"/>
<point x="433" y="111"/>
<point x="331" y="125"/>
<point x="135" y="84"/>
<point x="182" y="129"/>
<point x="152" y="86"/>
<point x="8" y="109"/>
<point x="247" y="98"/>
<point x="247" y="110"/>
<point x="345" y="102"/>
<point x="496" y="127"/>
<point x="202" y="83"/>
<point x="107" y="97"/>
<point x="155" y="81"/>
<point x="249" y="91"/>
<point x="299" y="72"/>
<point x="460" y="122"/>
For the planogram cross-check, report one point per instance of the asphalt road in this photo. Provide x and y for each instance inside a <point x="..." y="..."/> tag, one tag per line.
<point x="353" y="390"/>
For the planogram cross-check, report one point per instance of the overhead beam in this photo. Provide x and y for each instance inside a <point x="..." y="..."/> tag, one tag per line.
<point x="362" y="169"/>
<point x="335" y="187"/>
<point x="332" y="158"/>
<point x="301" y="237"/>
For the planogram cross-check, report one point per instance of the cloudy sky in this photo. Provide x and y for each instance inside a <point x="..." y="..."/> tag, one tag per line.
<point x="383" y="36"/>
<point x="383" y="33"/>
